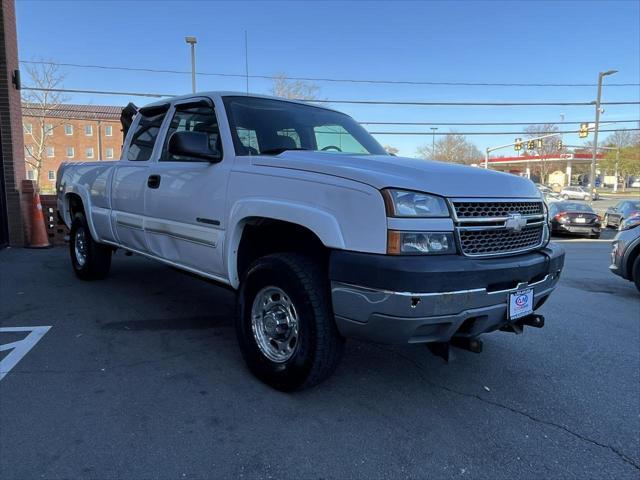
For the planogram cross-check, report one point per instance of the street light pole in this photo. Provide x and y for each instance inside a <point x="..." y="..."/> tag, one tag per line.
<point x="192" y="41"/>
<point x="592" y="173"/>
<point x="433" y="141"/>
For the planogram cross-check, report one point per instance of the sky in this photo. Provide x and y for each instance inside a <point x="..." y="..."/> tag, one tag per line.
<point x="454" y="41"/>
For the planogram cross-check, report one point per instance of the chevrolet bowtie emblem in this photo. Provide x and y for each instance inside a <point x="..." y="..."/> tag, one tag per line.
<point x="515" y="222"/>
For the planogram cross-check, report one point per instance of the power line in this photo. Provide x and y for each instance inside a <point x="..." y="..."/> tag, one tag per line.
<point x="497" y="133"/>
<point x="328" y="79"/>
<point x="359" y="102"/>
<point x="488" y="123"/>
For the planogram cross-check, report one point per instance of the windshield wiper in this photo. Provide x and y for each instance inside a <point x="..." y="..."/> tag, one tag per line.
<point x="279" y="150"/>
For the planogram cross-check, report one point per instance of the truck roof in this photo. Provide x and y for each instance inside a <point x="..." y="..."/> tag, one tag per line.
<point x="231" y="93"/>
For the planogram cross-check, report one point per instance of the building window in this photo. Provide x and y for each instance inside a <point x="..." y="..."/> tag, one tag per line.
<point x="31" y="175"/>
<point x="70" y="152"/>
<point x="51" y="152"/>
<point x="89" y="152"/>
<point x="52" y="175"/>
<point x="109" y="152"/>
<point x="28" y="128"/>
<point x="27" y="151"/>
<point x="68" y="129"/>
<point x="108" y="130"/>
<point x="48" y="129"/>
<point x="88" y="130"/>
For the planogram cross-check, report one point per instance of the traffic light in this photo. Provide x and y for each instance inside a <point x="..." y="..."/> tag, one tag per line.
<point x="540" y="143"/>
<point x="559" y="145"/>
<point x="584" y="130"/>
<point x="518" y="145"/>
<point x="531" y="145"/>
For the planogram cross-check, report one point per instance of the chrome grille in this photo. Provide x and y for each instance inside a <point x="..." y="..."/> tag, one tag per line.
<point x="500" y="241"/>
<point x="496" y="209"/>
<point x="498" y="227"/>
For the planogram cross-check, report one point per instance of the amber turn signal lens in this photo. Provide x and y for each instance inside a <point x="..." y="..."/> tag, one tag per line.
<point x="393" y="242"/>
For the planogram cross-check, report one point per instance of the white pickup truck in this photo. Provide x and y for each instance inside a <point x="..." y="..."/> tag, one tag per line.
<point x="322" y="233"/>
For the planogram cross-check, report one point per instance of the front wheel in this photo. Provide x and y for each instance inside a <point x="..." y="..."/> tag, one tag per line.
<point x="285" y="327"/>
<point x="90" y="260"/>
<point x="565" y="196"/>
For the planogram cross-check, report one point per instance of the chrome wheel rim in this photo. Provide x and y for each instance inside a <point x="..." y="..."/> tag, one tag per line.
<point x="80" y="247"/>
<point x="274" y="322"/>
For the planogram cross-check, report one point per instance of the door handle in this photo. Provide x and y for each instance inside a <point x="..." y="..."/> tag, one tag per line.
<point x="153" y="181"/>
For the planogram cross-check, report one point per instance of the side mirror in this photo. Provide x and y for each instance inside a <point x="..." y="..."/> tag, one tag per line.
<point x="193" y="144"/>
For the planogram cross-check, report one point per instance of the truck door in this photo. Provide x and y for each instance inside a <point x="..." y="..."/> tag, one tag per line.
<point x="131" y="177"/>
<point x="184" y="208"/>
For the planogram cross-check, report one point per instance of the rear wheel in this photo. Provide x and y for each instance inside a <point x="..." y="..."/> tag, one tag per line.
<point x="90" y="260"/>
<point x="285" y="327"/>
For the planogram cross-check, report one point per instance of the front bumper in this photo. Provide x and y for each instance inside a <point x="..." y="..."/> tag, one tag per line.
<point x="390" y="299"/>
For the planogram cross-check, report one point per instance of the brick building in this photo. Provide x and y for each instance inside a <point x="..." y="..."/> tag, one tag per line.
<point x="11" y="160"/>
<point x="71" y="133"/>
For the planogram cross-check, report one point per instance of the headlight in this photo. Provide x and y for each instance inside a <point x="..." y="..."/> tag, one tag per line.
<point x="420" y="243"/>
<point x="403" y="203"/>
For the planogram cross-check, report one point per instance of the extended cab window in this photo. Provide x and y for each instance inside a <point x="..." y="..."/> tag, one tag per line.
<point x="193" y="118"/>
<point x="144" y="138"/>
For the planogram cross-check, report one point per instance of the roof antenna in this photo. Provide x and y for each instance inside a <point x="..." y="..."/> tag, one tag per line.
<point x="246" y="59"/>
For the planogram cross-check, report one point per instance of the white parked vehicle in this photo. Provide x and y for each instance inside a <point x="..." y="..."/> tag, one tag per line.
<point x="578" y="193"/>
<point x="322" y="233"/>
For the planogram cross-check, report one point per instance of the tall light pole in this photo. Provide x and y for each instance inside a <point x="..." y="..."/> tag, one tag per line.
<point x="592" y="173"/>
<point x="192" y="41"/>
<point x="433" y="141"/>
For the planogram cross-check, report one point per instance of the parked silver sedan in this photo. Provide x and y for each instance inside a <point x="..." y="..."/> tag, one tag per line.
<point x="625" y="253"/>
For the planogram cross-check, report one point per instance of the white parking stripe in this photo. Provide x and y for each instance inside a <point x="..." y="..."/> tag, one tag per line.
<point x="19" y="348"/>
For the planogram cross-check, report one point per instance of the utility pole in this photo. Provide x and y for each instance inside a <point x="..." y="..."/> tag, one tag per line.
<point x="615" y="184"/>
<point x="192" y="41"/>
<point x="592" y="173"/>
<point x="433" y="142"/>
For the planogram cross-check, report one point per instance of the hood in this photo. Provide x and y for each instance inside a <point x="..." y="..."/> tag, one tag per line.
<point x="380" y="171"/>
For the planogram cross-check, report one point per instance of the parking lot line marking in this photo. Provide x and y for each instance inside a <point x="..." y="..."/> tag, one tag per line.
<point x="19" y="348"/>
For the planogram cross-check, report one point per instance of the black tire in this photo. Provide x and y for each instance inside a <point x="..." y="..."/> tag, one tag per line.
<point x="595" y="235"/>
<point x="97" y="257"/>
<point x="566" y="197"/>
<point x="635" y="272"/>
<point x="318" y="347"/>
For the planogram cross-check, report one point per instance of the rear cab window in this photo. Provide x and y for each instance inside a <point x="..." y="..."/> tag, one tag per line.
<point x="146" y="133"/>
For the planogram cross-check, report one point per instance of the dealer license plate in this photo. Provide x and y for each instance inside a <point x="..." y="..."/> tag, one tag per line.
<point x="521" y="303"/>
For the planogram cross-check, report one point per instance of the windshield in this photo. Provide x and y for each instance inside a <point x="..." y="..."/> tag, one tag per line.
<point x="269" y="127"/>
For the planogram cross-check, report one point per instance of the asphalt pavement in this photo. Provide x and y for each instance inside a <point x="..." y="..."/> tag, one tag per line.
<point x="140" y="376"/>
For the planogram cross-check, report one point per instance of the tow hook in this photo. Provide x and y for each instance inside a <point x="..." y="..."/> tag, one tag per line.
<point x="443" y="349"/>
<point x="533" y="320"/>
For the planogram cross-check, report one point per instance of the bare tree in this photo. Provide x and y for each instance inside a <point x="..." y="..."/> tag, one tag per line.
<point x="294" y="89"/>
<point x="40" y="105"/>
<point x="451" y="148"/>
<point x="391" y="150"/>
<point x="543" y="148"/>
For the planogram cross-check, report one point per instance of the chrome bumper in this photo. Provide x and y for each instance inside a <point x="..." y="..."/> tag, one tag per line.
<point x="403" y="317"/>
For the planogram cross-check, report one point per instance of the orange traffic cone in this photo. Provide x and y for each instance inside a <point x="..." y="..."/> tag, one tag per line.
<point x="39" y="238"/>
